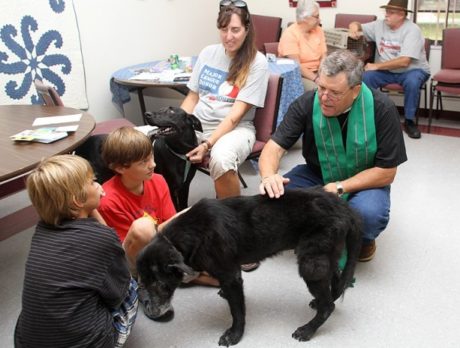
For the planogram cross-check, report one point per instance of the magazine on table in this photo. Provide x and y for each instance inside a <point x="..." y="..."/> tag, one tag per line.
<point x="44" y="135"/>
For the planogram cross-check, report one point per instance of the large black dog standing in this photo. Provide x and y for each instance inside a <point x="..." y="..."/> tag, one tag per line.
<point x="175" y="137"/>
<point x="217" y="236"/>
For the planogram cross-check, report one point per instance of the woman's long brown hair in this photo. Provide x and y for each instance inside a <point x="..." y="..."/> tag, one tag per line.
<point x="239" y="67"/>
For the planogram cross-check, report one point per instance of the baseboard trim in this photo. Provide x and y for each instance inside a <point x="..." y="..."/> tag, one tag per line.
<point x="17" y="222"/>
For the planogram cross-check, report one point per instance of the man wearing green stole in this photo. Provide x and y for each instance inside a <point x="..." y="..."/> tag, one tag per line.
<point x="351" y="141"/>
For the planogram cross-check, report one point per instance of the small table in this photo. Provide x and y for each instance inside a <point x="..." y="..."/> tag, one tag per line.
<point x="121" y="85"/>
<point x="19" y="158"/>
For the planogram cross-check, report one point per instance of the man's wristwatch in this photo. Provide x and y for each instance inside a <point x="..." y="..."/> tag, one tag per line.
<point x="340" y="190"/>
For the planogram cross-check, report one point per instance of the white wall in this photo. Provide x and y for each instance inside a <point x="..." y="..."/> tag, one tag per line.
<point x="119" y="33"/>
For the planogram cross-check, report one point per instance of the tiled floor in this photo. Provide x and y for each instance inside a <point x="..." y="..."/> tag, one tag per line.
<point x="406" y="297"/>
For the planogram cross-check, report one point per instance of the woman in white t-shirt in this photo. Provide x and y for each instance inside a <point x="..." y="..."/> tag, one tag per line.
<point x="229" y="81"/>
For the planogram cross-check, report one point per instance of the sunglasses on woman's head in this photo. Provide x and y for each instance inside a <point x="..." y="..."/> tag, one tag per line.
<point x="236" y="3"/>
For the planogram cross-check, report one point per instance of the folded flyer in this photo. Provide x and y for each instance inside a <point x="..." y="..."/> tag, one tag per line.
<point x="41" y="135"/>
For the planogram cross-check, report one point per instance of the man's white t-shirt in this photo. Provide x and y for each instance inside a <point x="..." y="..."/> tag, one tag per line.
<point x="406" y="41"/>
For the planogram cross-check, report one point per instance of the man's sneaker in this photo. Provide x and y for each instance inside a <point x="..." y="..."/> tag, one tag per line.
<point x="367" y="252"/>
<point x="411" y="129"/>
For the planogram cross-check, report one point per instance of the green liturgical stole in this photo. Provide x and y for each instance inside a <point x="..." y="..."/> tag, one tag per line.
<point x="338" y="163"/>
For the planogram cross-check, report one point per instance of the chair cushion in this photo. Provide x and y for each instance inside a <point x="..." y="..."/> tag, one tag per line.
<point x="106" y="127"/>
<point x="394" y="87"/>
<point x="453" y="89"/>
<point x="258" y="146"/>
<point x="447" y="76"/>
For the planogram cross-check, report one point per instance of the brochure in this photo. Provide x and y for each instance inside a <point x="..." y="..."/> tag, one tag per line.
<point x="41" y="135"/>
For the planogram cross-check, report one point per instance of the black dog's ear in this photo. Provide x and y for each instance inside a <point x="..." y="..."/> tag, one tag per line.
<point x="148" y="117"/>
<point x="196" y="124"/>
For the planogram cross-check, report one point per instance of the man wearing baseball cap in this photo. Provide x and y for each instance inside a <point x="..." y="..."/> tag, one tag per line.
<point x="399" y="57"/>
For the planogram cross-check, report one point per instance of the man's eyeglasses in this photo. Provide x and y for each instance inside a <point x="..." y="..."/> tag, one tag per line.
<point x="236" y="3"/>
<point x="332" y="95"/>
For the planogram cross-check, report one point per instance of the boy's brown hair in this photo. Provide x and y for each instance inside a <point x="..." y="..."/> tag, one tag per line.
<point x="56" y="184"/>
<point x="124" y="146"/>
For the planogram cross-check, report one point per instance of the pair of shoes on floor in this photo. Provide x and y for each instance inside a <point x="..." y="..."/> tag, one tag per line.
<point x="411" y="129"/>
<point x="249" y="267"/>
<point x="367" y="252"/>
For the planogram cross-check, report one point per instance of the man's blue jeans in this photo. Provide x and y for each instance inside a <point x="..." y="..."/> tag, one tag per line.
<point x="411" y="81"/>
<point x="373" y="205"/>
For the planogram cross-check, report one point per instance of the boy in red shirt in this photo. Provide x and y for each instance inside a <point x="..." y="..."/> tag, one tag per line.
<point x="137" y="201"/>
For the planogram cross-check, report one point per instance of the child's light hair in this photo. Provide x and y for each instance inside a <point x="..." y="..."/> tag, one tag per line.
<point x="56" y="184"/>
<point x="124" y="146"/>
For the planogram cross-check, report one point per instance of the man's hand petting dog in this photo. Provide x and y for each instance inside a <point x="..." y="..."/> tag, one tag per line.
<point x="218" y="236"/>
<point x="273" y="185"/>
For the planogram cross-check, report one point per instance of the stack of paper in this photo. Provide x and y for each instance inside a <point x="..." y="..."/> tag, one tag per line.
<point x="48" y="134"/>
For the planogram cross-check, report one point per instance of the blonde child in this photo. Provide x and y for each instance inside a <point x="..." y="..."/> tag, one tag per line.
<point x="77" y="286"/>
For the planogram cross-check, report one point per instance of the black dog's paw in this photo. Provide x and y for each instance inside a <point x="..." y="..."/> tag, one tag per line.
<point x="230" y="338"/>
<point x="303" y="333"/>
<point x="313" y="304"/>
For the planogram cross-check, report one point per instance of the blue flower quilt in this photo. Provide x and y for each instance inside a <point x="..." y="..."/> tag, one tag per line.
<point x="39" y="39"/>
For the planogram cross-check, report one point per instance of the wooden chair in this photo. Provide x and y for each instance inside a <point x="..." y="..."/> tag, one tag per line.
<point x="267" y="29"/>
<point x="264" y="121"/>
<point x="51" y="97"/>
<point x="395" y="87"/>
<point x="446" y="80"/>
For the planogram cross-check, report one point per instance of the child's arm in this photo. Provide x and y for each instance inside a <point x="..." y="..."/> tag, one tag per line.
<point x="115" y="285"/>
<point x="160" y="226"/>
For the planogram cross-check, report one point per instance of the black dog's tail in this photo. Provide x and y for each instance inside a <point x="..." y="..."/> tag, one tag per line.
<point x="353" y="245"/>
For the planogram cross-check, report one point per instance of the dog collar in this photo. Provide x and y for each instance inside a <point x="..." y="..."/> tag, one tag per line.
<point x="188" y="164"/>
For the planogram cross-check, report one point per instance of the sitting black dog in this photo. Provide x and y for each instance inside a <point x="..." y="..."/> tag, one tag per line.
<point x="175" y="137"/>
<point x="217" y="236"/>
<point x="91" y="150"/>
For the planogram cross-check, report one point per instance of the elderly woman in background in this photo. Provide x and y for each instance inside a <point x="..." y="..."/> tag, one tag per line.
<point x="304" y="42"/>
